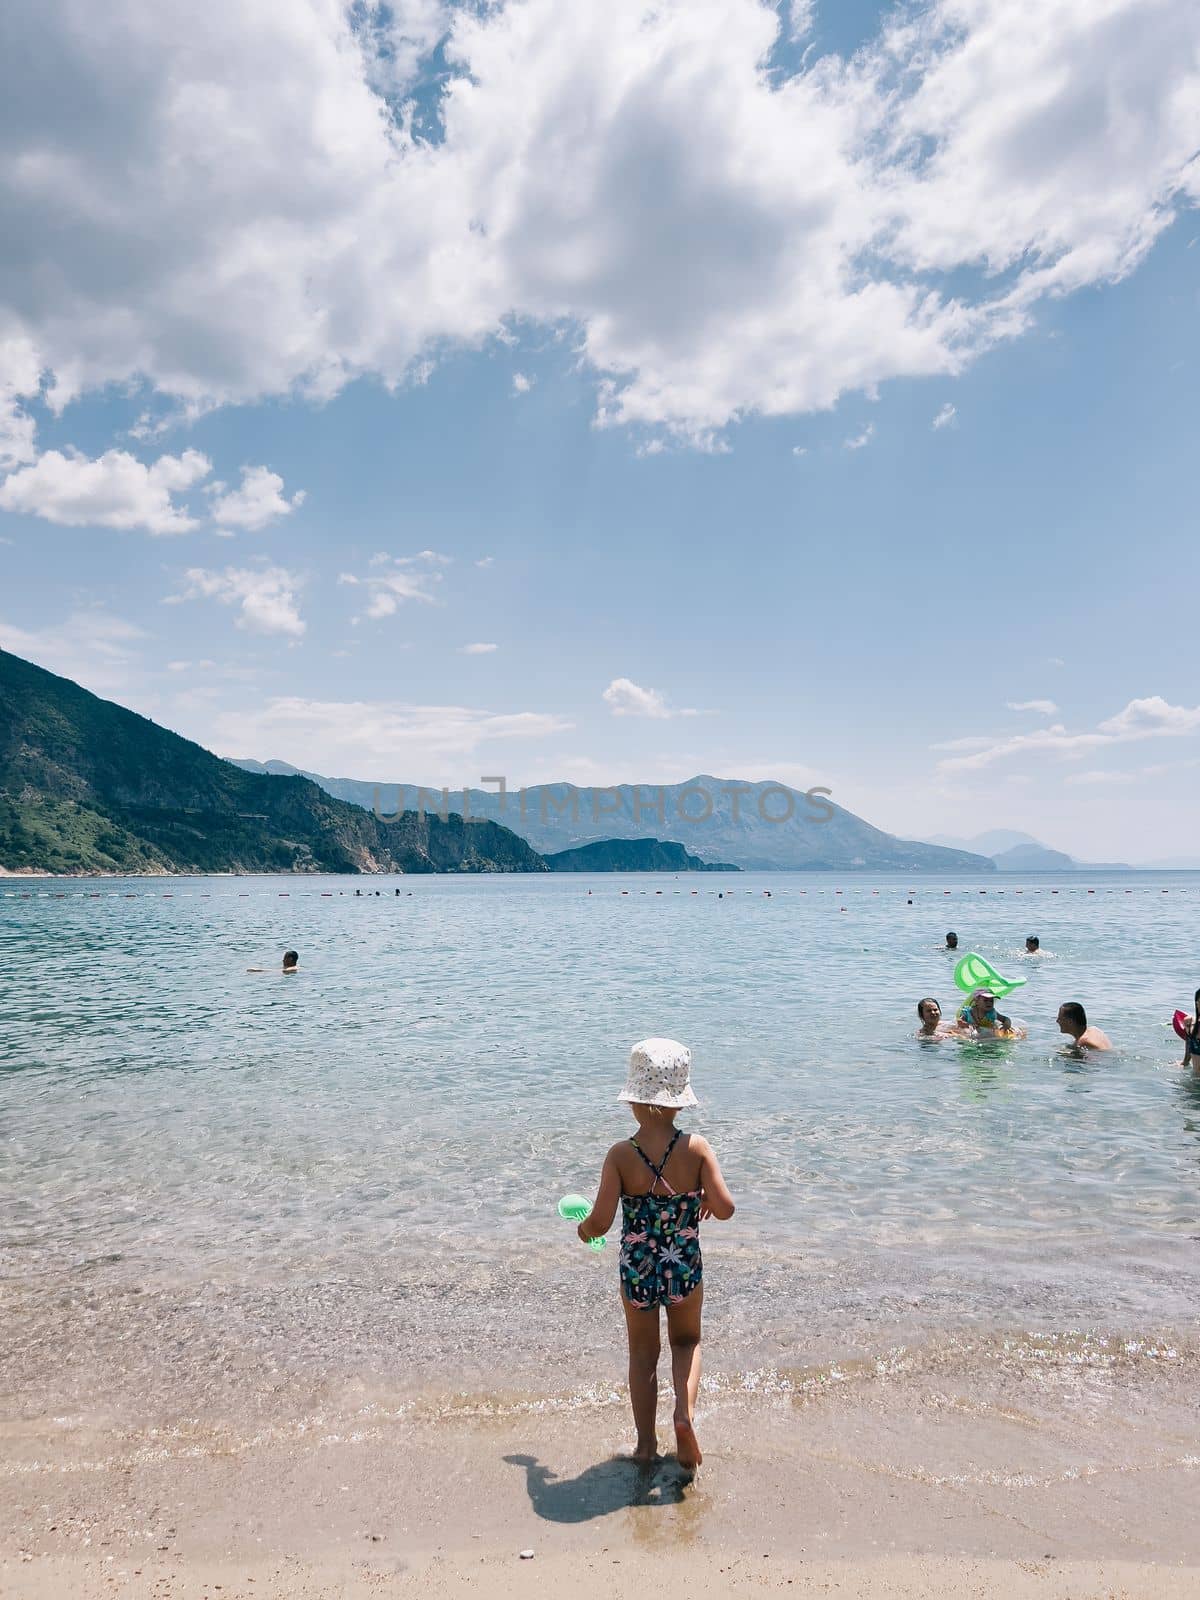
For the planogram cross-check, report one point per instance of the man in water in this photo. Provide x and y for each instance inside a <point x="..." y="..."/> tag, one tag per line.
<point x="951" y="941"/>
<point x="290" y="962"/>
<point x="1072" y="1020"/>
<point x="930" y="1014"/>
<point x="1033" y="945"/>
<point x="979" y="1016"/>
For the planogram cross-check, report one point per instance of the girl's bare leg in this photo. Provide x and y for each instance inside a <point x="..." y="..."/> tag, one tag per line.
<point x="644" y="1346"/>
<point x="683" y="1330"/>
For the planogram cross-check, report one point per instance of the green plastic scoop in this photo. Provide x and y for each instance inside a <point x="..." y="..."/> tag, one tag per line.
<point x="574" y="1208"/>
<point x="973" y="972"/>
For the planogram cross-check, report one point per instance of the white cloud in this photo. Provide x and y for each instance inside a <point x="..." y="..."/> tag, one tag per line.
<point x="859" y="441"/>
<point x="1141" y="719"/>
<point x="1055" y="661"/>
<point x="259" y="501"/>
<point x="478" y="649"/>
<point x="628" y="699"/>
<point x="486" y="561"/>
<point x="234" y="211"/>
<point x="266" y="597"/>
<point x="521" y="384"/>
<point x="93" y="648"/>
<point x="20" y="377"/>
<point x="1045" y="708"/>
<point x="401" y="742"/>
<point x="393" y="580"/>
<point x="114" y="491"/>
<point x="945" y="416"/>
<point x="799" y="449"/>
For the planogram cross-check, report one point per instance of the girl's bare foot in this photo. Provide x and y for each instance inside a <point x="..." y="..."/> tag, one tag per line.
<point x="646" y="1454"/>
<point x="687" y="1446"/>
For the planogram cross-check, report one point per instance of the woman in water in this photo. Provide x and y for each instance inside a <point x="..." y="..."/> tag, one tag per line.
<point x="930" y="1014"/>
<point x="666" y="1181"/>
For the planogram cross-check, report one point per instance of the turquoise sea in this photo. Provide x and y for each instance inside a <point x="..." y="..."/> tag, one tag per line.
<point x="208" y="1176"/>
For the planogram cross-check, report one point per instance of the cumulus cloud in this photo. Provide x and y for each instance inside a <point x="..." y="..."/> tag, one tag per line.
<point x="114" y="491"/>
<point x="262" y="205"/>
<point x="478" y="649"/>
<point x="1149" y="718"/>
<point x="1045" y="708"/>
<point x="945" y="417"/>
<point x="267" y="598"/>
<point x="521" y="384"/>
<point x="628" y="699"/>
<point x="1143" y="719"/>
<point x="20" y="376"/>
<point x="257" y="502"/>
<point x="394" y="579"/>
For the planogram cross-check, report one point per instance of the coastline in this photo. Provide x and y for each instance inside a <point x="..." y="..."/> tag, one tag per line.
<point x="1057" y="1480"/>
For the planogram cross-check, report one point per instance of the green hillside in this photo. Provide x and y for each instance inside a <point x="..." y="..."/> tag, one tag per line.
<point x="631" y="855"/>
<point x="87" y="786"/>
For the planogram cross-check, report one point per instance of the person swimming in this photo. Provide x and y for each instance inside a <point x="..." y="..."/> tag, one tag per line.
<point x="1033" y="945"/>
<point x="951" y="941"/>
<point x="1072" y="1020"/>
<point x="930" y="1014"/>
<point x="291" y="962"/>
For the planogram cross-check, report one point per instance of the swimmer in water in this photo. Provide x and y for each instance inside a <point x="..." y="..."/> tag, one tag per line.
<point x="930" y="1014"/>
<point x="1072" y="1020"/>
<point x="951" y="941"/>
<point x="980" y="1018"/>
<point x="290" y="962"/>
<point x="1033" y="945"/>
<point x="1191" y="1043"/>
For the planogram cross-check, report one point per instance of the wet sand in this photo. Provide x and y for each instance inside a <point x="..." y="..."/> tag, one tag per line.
<point x="1016" y="1469"/>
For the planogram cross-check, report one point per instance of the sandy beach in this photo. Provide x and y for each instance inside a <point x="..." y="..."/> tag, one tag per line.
<point x="1052" y="1474"/>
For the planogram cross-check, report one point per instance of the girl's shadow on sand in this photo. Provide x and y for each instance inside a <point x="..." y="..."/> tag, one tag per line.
<point x="600" y="1490"/>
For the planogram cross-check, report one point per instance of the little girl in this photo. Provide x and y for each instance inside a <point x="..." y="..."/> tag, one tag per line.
<point x="666" y="1181"/>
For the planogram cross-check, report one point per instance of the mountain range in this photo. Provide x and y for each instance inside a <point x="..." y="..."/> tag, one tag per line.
<point x="750" y="825"/>
<point x="1021" y="852"/>
<point x="87" y="786"/>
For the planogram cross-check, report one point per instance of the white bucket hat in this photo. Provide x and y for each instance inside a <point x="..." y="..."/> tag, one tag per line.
<point x="659" y="1074"/>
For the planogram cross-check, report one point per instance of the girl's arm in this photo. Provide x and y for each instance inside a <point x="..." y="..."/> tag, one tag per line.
<point x="717" y="1201"/>
<point x="600" y="1218"/>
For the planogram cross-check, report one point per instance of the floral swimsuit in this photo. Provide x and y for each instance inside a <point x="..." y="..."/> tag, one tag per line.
<point x="660" y="1241"/>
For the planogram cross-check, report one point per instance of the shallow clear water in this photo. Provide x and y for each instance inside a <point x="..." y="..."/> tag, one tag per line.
<point x="403" y="1114"/>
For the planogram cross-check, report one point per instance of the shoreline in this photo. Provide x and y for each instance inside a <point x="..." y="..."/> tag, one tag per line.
<point x="1055" y="1480"/>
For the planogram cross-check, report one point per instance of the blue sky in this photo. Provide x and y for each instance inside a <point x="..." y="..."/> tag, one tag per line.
<point x="787" y="471"/>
